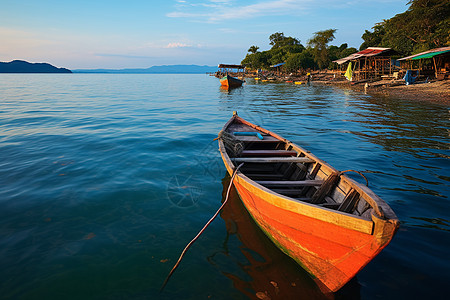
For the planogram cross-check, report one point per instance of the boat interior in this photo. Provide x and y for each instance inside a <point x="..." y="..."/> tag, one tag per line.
<point x="287" y="170"/>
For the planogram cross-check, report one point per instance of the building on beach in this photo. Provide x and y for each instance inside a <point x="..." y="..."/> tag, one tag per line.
<point x="432" y="63"/>
<point x="370" y="63"/>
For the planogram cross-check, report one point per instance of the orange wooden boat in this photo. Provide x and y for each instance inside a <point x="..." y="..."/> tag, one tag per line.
<point x="230" y="81"/>
<point x="328" y="223"/>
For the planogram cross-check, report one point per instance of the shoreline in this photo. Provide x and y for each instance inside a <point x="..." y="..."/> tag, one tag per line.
<point x="434" y="91"/>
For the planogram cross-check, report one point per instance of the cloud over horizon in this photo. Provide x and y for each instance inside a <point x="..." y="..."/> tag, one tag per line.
<point x="213" y="11"/>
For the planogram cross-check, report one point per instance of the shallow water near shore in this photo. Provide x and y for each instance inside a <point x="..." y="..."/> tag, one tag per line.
<point x="104" y="179"/>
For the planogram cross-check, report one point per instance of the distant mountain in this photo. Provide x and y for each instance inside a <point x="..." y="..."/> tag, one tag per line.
<point x="20" y="66"/>
<point x="166" y="69"/>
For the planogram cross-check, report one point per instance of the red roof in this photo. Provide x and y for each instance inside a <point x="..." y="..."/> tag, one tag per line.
<point x="371" y="51"/>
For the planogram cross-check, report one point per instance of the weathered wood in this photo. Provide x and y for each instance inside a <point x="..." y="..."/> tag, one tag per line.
<point x="330" y="205"/>
<point x="260" y="175"/>
<point x="268" y="153"/>
<point x="287" y="191"/>
<point x="350" y="201"/>
<point x="267" y="139"/>
<point x="327" y="186"/>
<point x="291" y="183"/>
<point x="272" y="159"/>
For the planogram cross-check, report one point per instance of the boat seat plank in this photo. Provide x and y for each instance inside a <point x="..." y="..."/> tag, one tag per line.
<point x="268" y="153"/>
<point x="252" y="175"/>
<point x="291" y="183"/>
<point x="330" y="205"/>
<point x="350" y="201"/>
<point x="272" y="159"/>
<point x="266" y="139"/>
<point x="287" y="191"/>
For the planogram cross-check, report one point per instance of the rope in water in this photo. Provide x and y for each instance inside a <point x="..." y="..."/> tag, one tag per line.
<point x="201" y="231"/>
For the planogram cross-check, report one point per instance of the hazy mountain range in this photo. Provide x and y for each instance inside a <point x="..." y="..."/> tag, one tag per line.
<point x="20" y="66"/>
<point x="165" y="69"/>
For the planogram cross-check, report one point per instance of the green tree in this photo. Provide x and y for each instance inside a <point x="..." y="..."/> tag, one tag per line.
<point x="258" y="60"/>
<point x="319" y="43"/>
<point x="424" y="25"/>
<point x="374" y="38"/>
<point x="282" y="47"/>
<point x="300" y="61"/>
<point x="335" y="53"/>
<point x="253" y="49"/>
<point x="278" y="40"/>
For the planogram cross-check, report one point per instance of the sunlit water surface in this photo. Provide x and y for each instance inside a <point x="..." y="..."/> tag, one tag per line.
<point x="105" y="178"/>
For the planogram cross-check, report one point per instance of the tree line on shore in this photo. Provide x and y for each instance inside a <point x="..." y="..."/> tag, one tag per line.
<point x="424" y="25"/>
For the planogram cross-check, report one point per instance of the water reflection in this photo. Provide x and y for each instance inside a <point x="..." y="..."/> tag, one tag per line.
<point x="434" y="223"/>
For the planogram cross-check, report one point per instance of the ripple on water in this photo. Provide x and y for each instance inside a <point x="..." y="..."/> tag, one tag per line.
<point x="105" y="178"/>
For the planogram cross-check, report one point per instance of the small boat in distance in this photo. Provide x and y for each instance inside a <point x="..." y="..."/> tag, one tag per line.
<point x="230" y="82"/>
<point x="227" y="80"/>
<point x="328" y="223"/>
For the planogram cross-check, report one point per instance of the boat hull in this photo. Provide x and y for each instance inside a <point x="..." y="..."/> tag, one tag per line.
<point x="331" y="245"/>
<point x="230" y="82"/>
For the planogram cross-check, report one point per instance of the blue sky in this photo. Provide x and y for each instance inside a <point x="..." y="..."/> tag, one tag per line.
<point x="142" y="33"/>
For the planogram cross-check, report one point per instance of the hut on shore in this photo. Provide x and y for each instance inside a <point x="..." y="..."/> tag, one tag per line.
<point x="277" y="67"/>
<point x="434" y="62"/>
<point x="368" y="64"/>
<point x="233" y="70"/>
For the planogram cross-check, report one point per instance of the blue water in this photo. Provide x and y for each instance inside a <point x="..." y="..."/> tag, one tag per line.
<point x="105" y="178"/>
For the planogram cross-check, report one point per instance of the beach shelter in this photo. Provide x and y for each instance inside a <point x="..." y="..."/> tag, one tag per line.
<point x="277" y="67"/>
<point x="440" y="58"/>
<point x="369" y="63"/>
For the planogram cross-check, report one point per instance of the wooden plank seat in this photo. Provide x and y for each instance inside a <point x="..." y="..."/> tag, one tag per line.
<point x="261" y="175"/>
<point x="290" y="182"/>
<point x="266" y="139"/>
<point x="272" y="159"/>
<point x="268" y="153"/>
<point x="287" y="192"/>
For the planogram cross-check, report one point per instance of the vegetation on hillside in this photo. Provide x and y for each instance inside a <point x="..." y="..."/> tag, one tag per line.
<point x="423" y="26"/>
<point x="287" y="49"/>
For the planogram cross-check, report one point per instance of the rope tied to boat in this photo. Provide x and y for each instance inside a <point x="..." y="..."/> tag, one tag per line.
<point x="232" y="144"/>
<point x="203" y="229"/>
<point x="342" y="172"/>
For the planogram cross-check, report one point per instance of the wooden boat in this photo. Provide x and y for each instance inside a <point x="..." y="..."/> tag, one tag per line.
<point x="268" y="272"/>
<point x="328" y="223"/>
<point x="231" y="82"/>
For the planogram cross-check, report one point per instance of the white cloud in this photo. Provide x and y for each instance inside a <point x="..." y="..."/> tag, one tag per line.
<point x="220" y="10"/>
<point x="177" y="45"/>
<point x="214" y="11"/>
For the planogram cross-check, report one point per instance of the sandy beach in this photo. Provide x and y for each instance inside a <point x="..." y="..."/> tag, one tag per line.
<point x="437" y="92"/>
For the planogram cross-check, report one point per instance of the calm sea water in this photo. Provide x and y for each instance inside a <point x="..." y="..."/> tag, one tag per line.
<point x="105" y="178"/>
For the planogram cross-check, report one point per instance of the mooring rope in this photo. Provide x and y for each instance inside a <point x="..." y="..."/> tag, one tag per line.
<point x="201" y="231"/>
<point x="367" y="181"/>
<point x="233" y="146"/>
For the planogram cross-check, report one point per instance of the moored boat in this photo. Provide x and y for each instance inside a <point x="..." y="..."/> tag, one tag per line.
<point x="230" y="81"/>
<point x="328" y="223"/>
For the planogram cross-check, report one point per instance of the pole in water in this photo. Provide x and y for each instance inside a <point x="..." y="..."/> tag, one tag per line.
<point x="201" y="231"/>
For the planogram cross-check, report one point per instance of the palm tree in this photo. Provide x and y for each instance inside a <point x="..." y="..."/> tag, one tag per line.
<point x="253" y="49"/>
